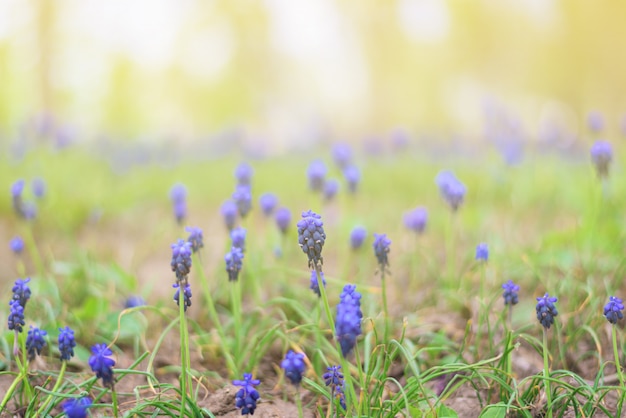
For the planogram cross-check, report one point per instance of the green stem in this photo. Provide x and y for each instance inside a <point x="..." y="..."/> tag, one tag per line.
<point x="115" y="406"/>
<point x="620" y="375"/>
<point x="9" y="393"/>
<point x="299" y="403"/>
<point x="41" y="409"/>
<point x="183" y="348"/>
<point x="546" y="373"/>
<point x="385" y="309"/>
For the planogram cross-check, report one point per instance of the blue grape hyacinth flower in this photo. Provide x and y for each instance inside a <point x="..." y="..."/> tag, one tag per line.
<point x="381" y="250"/>
<point x="613" y="310"/>
<point x="246" y="397"/>
<point x="357" y="237"/>
<point x="238" y="238"/>
<point x="181" y="260"/>
<point x="510" y="293"/>
<point x="595" y="121"/>
<point x="333" y="378"/>
<point x="178" y="196"/>
<point x="186" y="295"/>
<point x="482" y="252"/>
<point x="39" y="187"/>
<point x="234" y="263"/>
<point x="242" y="196"/>
<point x="331" y="187"/>
<point x="314" y="285"/>
<point x="16" y="316"/>
<point x="76" y="407"/>
<point x="101" y="364"/>
<point x="35" y="342"/>
<point x="229" y="213"/>
<point x="348" y="320"/>
<point x="67" y="342"/>
<point x="352" y="175"/>
<point x="134" y="301"/>
<point x="601" y="156"/>
<point x="268" y="202"/>
<point x="283" y="219"/>
<point x="415" y="220"/>
<point x="546" y="310"/>
<point x="311" y="237"/>
<point x="243" y="174"/>
<point x="317" y="175"/>
<point x="17" y="245"/>
<point x="21" y="291"/>
<point x="342" y="154"/>
<point x="195" y="238"/>
<point x="451" y="189"/>
<point x="294" y="366"/>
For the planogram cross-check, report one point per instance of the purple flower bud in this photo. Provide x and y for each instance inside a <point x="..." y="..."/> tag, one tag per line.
<point x="102" y="364"/>
<point x="546" y="310"/>
<point x="134" y="301"/>
<point x="415" y="220"/>
<point x="17" y="188"/>
<point x="381" y="249"/>
<point x="331" y="187"/>
<point x="268" y="202"/>
<point x="195" y="238"/>
<point x="311" y="237"/>
<point x="316" y="174"/>
<point x="315" y="285"/>
<point x="510" y="293"/>
<point x="294" y="366"/>
<point x="186" y="295"/>
<point x="451" y="189"/>
<point x="357" y="237"/>
<point x="242" y="196"/>
<point x="17" y="245"/>
<point x="613" y="310"/>
<point x="76" y="407"/>
<point x="352" y="176"/>
<point x="602" y="155"/>
<point x="39" y="187"/>
<point x="243" y="174"/>
<point x="238" y="237"/>
<point x="67" y="342"/>
<point x="348" y="320"/>
<point x="595" y="121"/>
<point x="482" y="252"/>
<point x="283" y="219"/>
<point x="246" y="397"/>
<point x="178" y="196"/>
<point x="35" y="342"/>
<point x="234" y="263"/>
<point x="342" y="154"/>
<point x="229" y="212"/>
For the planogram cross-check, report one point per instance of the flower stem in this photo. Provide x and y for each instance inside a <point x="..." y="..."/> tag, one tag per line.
<point x="115" y="407"/>
<point x="546" y="373"/>
<point x="620" y="375"/>
<point x="385" y="308"/>
<point x="41" y="409"/>
<point x="183" y="349"/>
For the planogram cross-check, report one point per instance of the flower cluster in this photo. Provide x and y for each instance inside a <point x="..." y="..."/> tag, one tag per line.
<point x="268" y="202"/>
<point x="451" y="189"/>
<point x="415" y="220"/>
<point x="243" y="174"/>
<point x="601" y="156"/>
<point x="613" y="310"/>
<point x="342" y="154"/>
<point x="333" y="378"/>
<point x="101" y="364"/>
<point x="21" y="294"/>
<point x="317" y="175"/>
<point x="482" y="252"/>
<point x="186" y="295"/>
<point x="246" y="397"/>
<point x="546" y="311"/>
<point x="381" y="250"/>
<point x="234" y="263"/>
<point x="352" y="175"/>
<point x="348" y="320"/>
<point x="510" y="293"/>
<point x="242" y="196"/>
<point x="181" y="260"/>
<point x="283" y="219"/>
<point x="35" y="342"/>
<point x="67" y="343"/>
<point x="294" y="366"/>
<point x="178" y="196"/>
<point x="311" y="237"/>
<point x="238" y="238"/>
<point x="229" y="213"/>
<point x="357" y="237"/>
<point x="314" y="284"/>
<point x="134" y="301"/>
<point x="76" y="407"/>
<point x="195" y="238"/>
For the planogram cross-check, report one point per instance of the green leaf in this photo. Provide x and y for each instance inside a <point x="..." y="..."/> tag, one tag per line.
<point x="494" y="411"/>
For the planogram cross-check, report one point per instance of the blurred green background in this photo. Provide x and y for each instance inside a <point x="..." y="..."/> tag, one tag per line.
<point x="132" y="68"/>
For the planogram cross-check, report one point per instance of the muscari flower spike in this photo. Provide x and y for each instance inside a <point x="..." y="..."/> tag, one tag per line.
<point x="357" y="237"/>
<point x="186" y="295"/>
<point x="238" y="238"/>
<point x="181" y="259"/>
<point x="613" y="310"/>
<point x="510" y="293"/>
<point x="311" y="237"/>
<point x="482" y="252"/>
<point x="348" y="320"/>
<point x="35" y="342"/>
<point x="229" y="213"/>
<point x="76" y="407"/>
<point x="39" y="187"/>
<point x="243" y="174"/>
<point x="352" y="175"/>
<point x="333" y="378"/>
<point x="381" y="250"/>
<point x="415" y="220"/>
<point x="246" y="397"/>
<point x="294" y="366"/>
<point x="102" y="364"/>
<point x="134" y="301"/>
<point x="316" y="174"/>
<point x="331" y="187"/>
<point x="314" y="285"/>
<point x="546" y="311"/>
<point x="283" y="219"/>
<point x="234" y="263"/>
<point x="268" y="202"/>
<point x="16" y="316"/>
<point x="595" y="121"/>
<point x="21" y="291"/>
<point x="242" y="196"/>
<point x="178" y="196"/>
<point x="342" y="154"/>
<point x="17" y="245"/>
<point x="452" y="190"/>
<point x="195" y="238"/>
<point x="601" y="156"/>
<point x="67" y="342"/>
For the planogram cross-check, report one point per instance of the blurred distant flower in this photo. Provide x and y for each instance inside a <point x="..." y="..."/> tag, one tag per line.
<point x="101" y="364"/>
<point x="482" y="252"/>
<point x="76" y="407"/>
<point x="178" y="196"/>
<point x="311" y="237"/>
<point x="134" y="301"/>
<point x="352" y="176"/>
<point x="595" y="121"/>
<point x="333" y="378"/>
<point x="26" y="210"/>
<point x="17" y="188"/>
<point x="331" y="187"/>
<point x="243" y="174"/>
<point x="195" y="238"/>
<point x="21" y="291"/>
<point x="342" y="154"/>
<point x="399" y="139"/>
<point x="314" y="285"/>
<point x="381" y="250"/>
<point x="238" y="237"/>
<point x="283" y="219"/>
<point x="17" y="245"/>
<point x="294" y="366"/>
<point x="16" y="316"/>
<point x="247" y="396"/>
<point x="601" y="155"/>
<point x="510" y="293"/>
<point x="39" y="187"/>
<point x="67" y="342"/>
<point x="452" y="190"/>
<point x="348" y="320"/>
<point x="181" y="260"/>
<point x="415" y="220"/>
<point x="316" y="174"/>
<point x="229" y="212"/>
<point x="357" y="237"/>
<point x="234" y="263"/>
<point x="186" y="295"/>
<point x="242" y="196"/>
<point x="546" y="310"/>
<point x="613" y="310"/>
<point x="35" y="342"/>
<point x="268" y="202"/>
